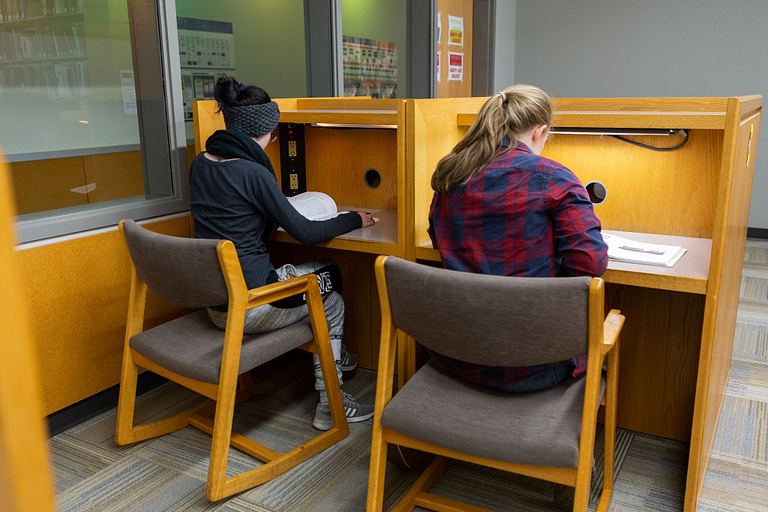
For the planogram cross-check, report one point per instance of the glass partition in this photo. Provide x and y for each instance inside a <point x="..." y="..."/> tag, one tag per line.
<point x="259" y="42"/>
<point x="374" y="48"/>
<point x="84" y="121"/>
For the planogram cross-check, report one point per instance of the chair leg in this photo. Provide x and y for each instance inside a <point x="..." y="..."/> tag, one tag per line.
<point x="127" y="400"/>
<point x="581" y="494"/>
<point x="220" y="442"/>
<point x="126" y="431"/>
<point x="584" y="470"/>
<point x="610" y="428"/>
<point x="377" y="470"/>
<point x="610" y="448"/>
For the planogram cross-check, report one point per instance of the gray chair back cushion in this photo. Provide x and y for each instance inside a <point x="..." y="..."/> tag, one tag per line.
<point x="192" y="346"/>
<point x="490" y="320"/>
<point x="184" y="272"/>
<point x="542" y="428"/>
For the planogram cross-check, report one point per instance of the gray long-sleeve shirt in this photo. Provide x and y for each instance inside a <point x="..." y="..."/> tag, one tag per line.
<point x="240" y="200"/>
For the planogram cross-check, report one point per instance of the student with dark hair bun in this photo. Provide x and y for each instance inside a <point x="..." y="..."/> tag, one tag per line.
<point x="235" y="196"/>
<point x="500" y="208"/>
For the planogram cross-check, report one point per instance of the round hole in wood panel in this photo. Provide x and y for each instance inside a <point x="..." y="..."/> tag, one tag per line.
<point x="372" y="179"/>
<point x="597" y="192"/>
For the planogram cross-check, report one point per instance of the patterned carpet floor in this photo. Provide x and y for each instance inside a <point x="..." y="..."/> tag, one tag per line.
<point x="737" y="475"/>
<point x="169" y="473"/>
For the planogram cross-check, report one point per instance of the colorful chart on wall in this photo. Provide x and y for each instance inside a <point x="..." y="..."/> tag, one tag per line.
<point x="370" y="67"/>
<point x="206" y="51"/>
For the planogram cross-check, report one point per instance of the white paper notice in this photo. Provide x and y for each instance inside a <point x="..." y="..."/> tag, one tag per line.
<point x="439" y="26"/>
<point x="129" y="92"/>
<point x="438" y="66"/>
<point x="455" y="67"/>
<point x="456" y="30"/>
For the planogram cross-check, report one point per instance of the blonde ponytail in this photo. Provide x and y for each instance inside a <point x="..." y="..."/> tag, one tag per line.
<point x="509" y="113"/>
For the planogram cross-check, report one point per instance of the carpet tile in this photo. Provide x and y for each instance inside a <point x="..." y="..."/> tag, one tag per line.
<point x="733" y="484"/>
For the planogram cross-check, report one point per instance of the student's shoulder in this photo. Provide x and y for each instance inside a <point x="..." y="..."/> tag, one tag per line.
<point x="548" y="166"/>
<point x="235" y="165"/>
<point x="524" y="161"/>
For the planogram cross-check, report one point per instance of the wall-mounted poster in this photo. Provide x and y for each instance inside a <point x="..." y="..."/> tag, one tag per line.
<point x="455" y="67"/>
<point x="370" y="67"/>
<point x="438" y="66"/>
<point x="456" y="30"/>
<point x="439" y="27"/>
<point x="206" y="51"/>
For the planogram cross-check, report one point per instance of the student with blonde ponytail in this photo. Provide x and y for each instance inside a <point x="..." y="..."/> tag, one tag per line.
<point x="500" y="208"/>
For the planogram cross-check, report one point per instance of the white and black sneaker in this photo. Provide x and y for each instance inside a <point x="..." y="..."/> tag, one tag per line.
<point x="354" y="411"/>
<point x="348" y="361"/>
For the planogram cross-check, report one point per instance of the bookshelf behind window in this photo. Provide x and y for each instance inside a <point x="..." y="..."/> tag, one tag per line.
<point x="43" y="47"/>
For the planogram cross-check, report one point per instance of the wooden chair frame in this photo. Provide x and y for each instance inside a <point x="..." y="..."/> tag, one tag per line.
<point x="603" y="348"/>
<point x="25" y="466"/>
<point x="226" y="394"/>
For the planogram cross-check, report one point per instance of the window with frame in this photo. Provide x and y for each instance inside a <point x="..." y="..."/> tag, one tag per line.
<point x="84" y="121"/>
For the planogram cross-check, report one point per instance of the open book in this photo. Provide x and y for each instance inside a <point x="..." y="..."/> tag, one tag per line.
<point x="315" y="205"/>
<point x="630" y="251"/>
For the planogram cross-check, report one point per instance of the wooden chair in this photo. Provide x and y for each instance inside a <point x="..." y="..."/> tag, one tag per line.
<point x="25" y="473"/>
<point x="191" y="351"/>
<point x="496" y="321"/>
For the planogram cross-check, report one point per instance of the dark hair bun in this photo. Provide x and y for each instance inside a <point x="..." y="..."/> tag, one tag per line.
<point x="230" y="93"/>
<point x="226" y="91"/>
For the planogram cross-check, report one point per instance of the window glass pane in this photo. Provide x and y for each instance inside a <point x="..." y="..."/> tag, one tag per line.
<point x="374" y="38"/>
<point x="259" y="42"/>
<point x="80" y="99"/>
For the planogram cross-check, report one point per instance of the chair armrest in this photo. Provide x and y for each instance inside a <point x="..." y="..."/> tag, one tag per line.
<point x="280" y="290"/>
<point x="611" y="329"/>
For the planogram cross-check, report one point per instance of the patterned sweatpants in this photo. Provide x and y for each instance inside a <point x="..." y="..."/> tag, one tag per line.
<point x="269" y="318"/>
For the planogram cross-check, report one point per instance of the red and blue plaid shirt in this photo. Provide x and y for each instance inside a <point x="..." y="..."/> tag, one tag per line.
<point x="521" y="215"/>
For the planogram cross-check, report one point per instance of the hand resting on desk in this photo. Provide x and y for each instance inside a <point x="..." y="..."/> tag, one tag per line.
<point x="368" y="220"/>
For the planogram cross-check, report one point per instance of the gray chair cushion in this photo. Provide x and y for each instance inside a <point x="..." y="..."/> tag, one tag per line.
<point x="192" y="346"/>
<point x="540" y="428"/>
<point x="490" y="320"/>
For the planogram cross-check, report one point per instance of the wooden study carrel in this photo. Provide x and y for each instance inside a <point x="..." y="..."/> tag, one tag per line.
<point x="344" y="138"/>
<point x="678" y="336"/>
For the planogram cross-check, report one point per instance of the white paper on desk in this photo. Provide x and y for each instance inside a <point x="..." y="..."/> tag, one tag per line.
<point x="631" y="251"/>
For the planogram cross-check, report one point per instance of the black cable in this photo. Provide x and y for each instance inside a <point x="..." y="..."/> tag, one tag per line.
<point x="684" y="132"/>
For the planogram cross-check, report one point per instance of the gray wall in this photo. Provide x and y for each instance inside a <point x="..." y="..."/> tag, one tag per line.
<point x="603" y="48"/>
<point x="504" y="45"/>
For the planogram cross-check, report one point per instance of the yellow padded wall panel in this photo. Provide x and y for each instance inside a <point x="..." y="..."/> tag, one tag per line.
<point x="41" y="185"/>
<point x="114" y="176"/>
<point x="78" y="295"/>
